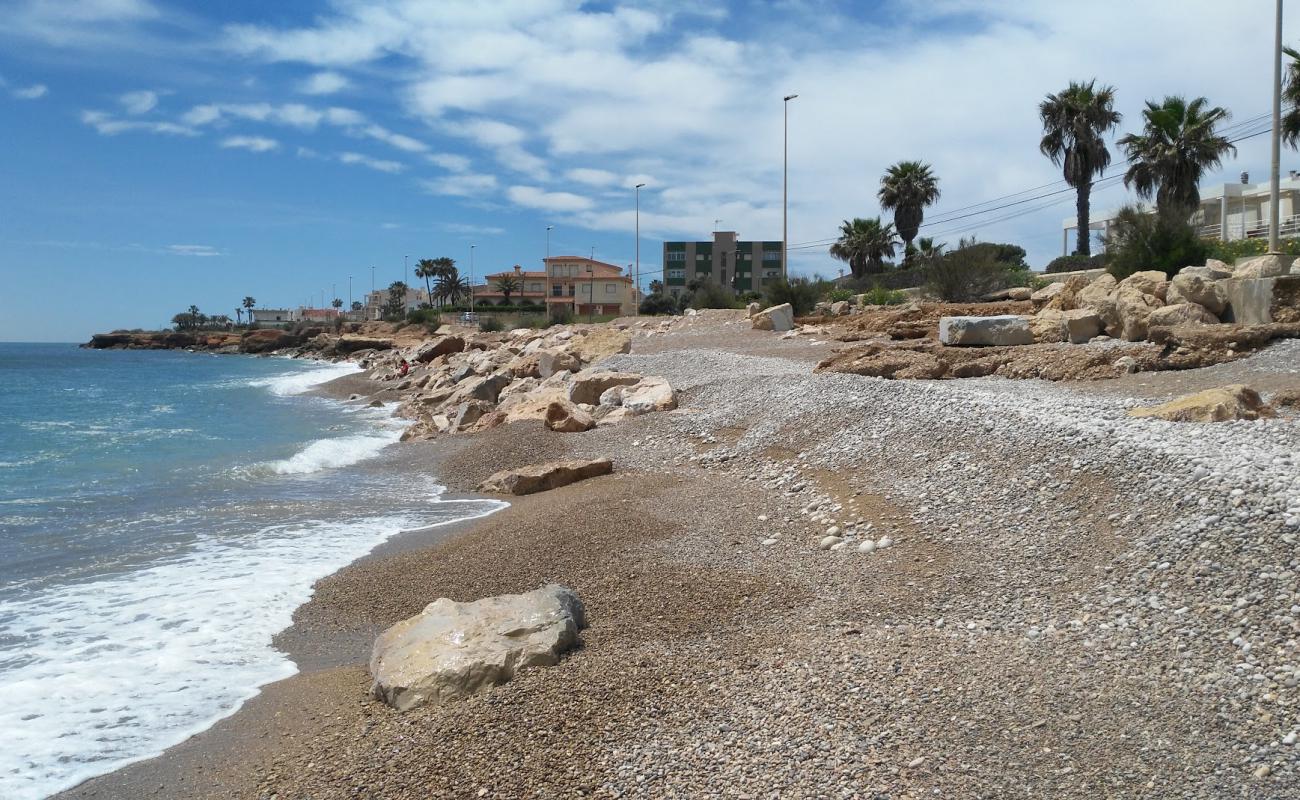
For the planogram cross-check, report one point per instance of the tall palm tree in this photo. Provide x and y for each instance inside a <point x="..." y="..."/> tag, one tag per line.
<point x="928" y="250"/>
<point x="1291" y="99"/>
<point x="248" y="304"/>
<point x="337" y="303"/>
<point x="427" y="268"/>
<point x="507" y="285"/>
<point x="1177" y="144"/>
<point x="1074" y="122"/>
<point x="865" y="244"/>
<point x="451" y="287"/>
<point x="656" y="286"/>
<point x="906" y="189"/>
<point x="239" y="314"/>
<point x="444" y="267"/>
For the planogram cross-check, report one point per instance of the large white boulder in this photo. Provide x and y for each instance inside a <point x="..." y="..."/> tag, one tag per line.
<point x="1192" y="288"/>
<point x="1181" y="314"/>
<point x="1080" y="325"/>
<point x="649" y="394"/>
<point x="1265" y="266"/>
<point x="544" y="477"/>
<point x="1005" y="329"/>
<point x="777" y="318"/>
<point x="452" y="650"/>
<point x="587" y="386"/>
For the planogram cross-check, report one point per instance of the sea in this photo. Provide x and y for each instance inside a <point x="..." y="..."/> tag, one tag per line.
<point x="162" y="513"/>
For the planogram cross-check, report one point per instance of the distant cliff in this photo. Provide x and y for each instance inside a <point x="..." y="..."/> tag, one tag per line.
<point x="313" y="341"/>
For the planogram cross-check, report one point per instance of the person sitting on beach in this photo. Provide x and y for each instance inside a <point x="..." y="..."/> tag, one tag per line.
<point x="403" y="368"/>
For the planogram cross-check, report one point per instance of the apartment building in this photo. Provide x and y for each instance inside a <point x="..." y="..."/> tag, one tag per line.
<point x="532" y="288"/>
<point x="738" y="265"/>
<point x="588" y="286"/>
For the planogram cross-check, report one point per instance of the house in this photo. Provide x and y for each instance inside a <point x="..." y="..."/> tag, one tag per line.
<point x="531" y="288"/>
<point x="1230" y="211"/>
<point x="587" y="286"/>
<point x="373" y="307"/>
<point x="302" y="314"/>
<point x="270" y="316"/>
<point x="736" y="265"/>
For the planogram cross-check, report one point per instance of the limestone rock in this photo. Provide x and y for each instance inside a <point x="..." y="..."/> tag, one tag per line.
<point x="1191" y="288"/>
<point x="1265" y="266"/>
<point x="1047" y="326"/>
<point x="1217" y="268"/>
<point x="601" y="342"/>
<point x="468" y="413"/>
<point x="1020" y="293"/>
<point x="1237" y="401"/>
<point x="1080" y="325"/>
<point x="752" y="309"/>
<point x="565" y="417"/>
<point x="645" y="396"/>
<point x="441" y="346"/>
<point x="777" y="318"/>
<point x="1129" y="315"/>
<point x="1005" y="329"/>
<point x="487" y="388"/>
<point x="1097" y="293"/>
<point x="452" y="650"/>
<point x="544" y="477"/>
<point x="1151" y="281"/>
<point x="353" y="344"/>
<point x="1182" y="314"/>
<point x="587" y="386"/>
<point x="1046" y="294"/>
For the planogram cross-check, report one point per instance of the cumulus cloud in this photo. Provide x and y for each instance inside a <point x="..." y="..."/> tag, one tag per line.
<point x="592" y="177"/>
<point x="400" y="141"/>
<point x="377" y="164"/>
<point x="33" y="92"/>
<point x="139" y="102"/>
<point x="200" y="250"/>
<point x="294" y="115"/>
<point x="464" y="185"/>
<point x="533" y="197"/>
<point x="324" y="83"/>
<point x="449" y="161"/>
<point x="108" y="125"/>
<point x="253" y="144"/>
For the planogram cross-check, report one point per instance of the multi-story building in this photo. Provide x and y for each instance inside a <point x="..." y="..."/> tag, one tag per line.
<point x="373" y="309"/>
<point x="588" y="286"/>
<point x="736" y="265"/>
<point x="532" y="288"/>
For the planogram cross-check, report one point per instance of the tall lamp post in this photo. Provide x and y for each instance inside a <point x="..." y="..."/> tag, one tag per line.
<point x="636" y="287"/>
<point x="1274" y="198"/>
<point x="471" y="278"/>
<point x="546" y="265"/>
<point x="406" y="269"/>
<point x="349" y="294"/>
<point x="785" y="185"/>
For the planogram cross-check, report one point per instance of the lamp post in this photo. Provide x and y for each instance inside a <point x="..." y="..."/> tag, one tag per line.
<point x="636" y="286"/>
<point x="1274" y="193"/>
<point x="785" y="183"/>
<point x="406" y="269"/>
<point x="471" y="278"/>
<point x="349" y="294"/>
<point x="546" y="265"/>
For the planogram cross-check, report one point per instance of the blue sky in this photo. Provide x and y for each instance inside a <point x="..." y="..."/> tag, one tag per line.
<point x="160" y="153"/>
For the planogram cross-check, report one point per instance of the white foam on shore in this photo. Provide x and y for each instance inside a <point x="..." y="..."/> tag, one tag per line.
<point x="324" y="454"/>
<point x="298" y="382"/>
<point x="100" y="674"/>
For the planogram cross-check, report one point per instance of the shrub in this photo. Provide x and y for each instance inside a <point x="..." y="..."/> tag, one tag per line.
<point x="711" y="295"/>
<point x="655" y="304"/>
<point x="838" y="294"/>
<point x="562" y="315"/>
<point x="970" y="272"/>
<point x="536" y="323"/>
<point x="490" y="324"/>
<point x="1074" y="263"/>
<point x="1229" y="252"/>
<point x="1010" y="254"/>
<point x="1141" y="241"/>
<point x="880" y="296"/>
<point x="800" y="293"/>
<point x="423" y="316"/>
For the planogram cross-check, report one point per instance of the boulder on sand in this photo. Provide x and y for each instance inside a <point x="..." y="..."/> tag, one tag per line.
<point x="587" y="386"/>
<point x="1001" y="330"/>
<point x="544" y="477"/>
<point x="452" y="650"/>
<point x="1265" y="266"/>
<point x="1192" y="288"/>
<point x="565" y="417"/>
<point x="1181" y="314"/>
<point x="1080" y="325"/>
<point x="646" y="395"/>
<point x="599" y="343"/>
<point x="1221" y="404"/>
<point x="441" y="346"/>
<point x="777" y="318"/>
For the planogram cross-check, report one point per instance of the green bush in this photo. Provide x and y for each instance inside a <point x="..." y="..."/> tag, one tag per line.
<point x="970" y="272"/>
<point x="711" y="295"/>
<point x="490" y="324"/>
<point x="1010" y="254"/>
<point x="656" y="304"/>
<point x="536" y="323"/>
<point x="838" y="294"/>
<point x="1139" y="241"/>
<point x="1229" y="252"/>
<point x="563" y="315"/>
<point x="801" y="293"/>
<point x="880" y="296"/>
<point x="1074" y="263"/>
<point x="423" y="316"/>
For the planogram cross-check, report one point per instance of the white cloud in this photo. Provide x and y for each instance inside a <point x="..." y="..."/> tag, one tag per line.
<point x="108" y="125"/>
<point x="324" y="83"/>
<point x="378" y="164"/>
<point x="389" y="226"/>
<point x="202" y="250"/>
<point x="253" y="144"/>
<point x="464" y="185"/>
<point x="464" y="229"/>
<point x="592" y="177"/>
<point x="139" y="102"/>
<point x="397" y="140"/>
<point x="533" y="197"/>
<point x="33" y="92"/>
<point x="449" y="161"/>
<point x="295" y="115"/>
<point x="77" y="23"/>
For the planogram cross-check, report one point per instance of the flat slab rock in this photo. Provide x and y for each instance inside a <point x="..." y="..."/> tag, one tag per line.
<point x="999" y="331"/>
<point x="544" y="477"/>
<point x="452" y="650"/>
<point x="1221" y="404"/>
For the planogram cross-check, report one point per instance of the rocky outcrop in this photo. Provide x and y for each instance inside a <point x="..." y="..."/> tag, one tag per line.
<point x="999" y="331"/>
<point x="777" y="318"/>
<point x="352" y="344"/>
<point x="599" y="343"/>
<point x="544" y="477"/>
<point x="1221" y="404"/>
<point x="452" y="650"/>
<point x="441" y="346"/>
<point x="1189" y="287"/>
<point x="1265" y="266"/>
<point x="266" y="341"/>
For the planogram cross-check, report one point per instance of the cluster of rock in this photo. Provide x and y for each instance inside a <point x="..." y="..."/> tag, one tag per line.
<point x="478" y="381"/>
<point x="452" y="650"/>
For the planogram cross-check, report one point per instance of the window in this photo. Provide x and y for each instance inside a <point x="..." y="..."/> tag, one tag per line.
<point x="699" y="256"/>
<point x="771" y="273"/>
<point x="610" y="288"/>
<point x="677" y="255"/>
<point x="769" y="255"/>
<point x="749" y="256"/>
<point x="534" y="287"/>
<point x="677" y="273"/>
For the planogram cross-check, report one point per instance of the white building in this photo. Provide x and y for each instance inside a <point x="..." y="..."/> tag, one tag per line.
<point x="376" y="300"/>
<point x="271" y="316"/>
<point x="1230" y="211"/>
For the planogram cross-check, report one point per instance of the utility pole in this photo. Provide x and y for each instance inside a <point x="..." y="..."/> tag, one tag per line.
<point x="471" y="278"/>
<point x="785" y="185"/>
<point x="406" y="269"/>
<point x="546" y="265"/>
<point x="1274" y="199"/>
<point x="636" y="286"/>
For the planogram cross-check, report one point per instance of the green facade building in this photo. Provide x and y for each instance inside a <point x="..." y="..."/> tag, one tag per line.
<point x="737" y="265"/>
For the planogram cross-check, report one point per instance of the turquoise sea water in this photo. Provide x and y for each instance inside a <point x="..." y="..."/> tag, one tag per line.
<point x="161" y="515"/>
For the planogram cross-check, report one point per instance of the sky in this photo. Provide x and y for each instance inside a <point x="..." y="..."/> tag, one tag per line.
<point x="157" y="153"/>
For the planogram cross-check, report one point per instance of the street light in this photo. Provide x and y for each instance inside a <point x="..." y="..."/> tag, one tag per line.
<point x="785" y="184"/>
<point x="405" y="269"/>
<point x="636" y="287"/>
<point x="546" y="265"/>
<point x="471" y="278"/>
<point x="349" y="294"/>
<point x="1273" y="192"/>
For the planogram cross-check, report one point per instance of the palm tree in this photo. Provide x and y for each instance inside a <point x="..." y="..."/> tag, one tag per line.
<point x="906" y="189"/>
<point x="507" y="285"/>
<point x="928" y="250"/>
<point x="1074" y="122"/>
<point x="656" y="286"/>
<point x="427" y="268"/>
<point x="865" y="244"/>
<point x="239" y="314"/>
<point x="451" y="287"/>
<point x="337" y="303"/>
<point x="1291" y="99"/>
<point x="1177" y="144"/>
<point x="249" y="302"/>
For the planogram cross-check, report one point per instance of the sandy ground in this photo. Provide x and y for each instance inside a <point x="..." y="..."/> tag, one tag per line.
<point x="728" y="656"/>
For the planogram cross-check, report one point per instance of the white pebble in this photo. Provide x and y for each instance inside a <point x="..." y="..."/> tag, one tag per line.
<point x="867" y="547"/>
